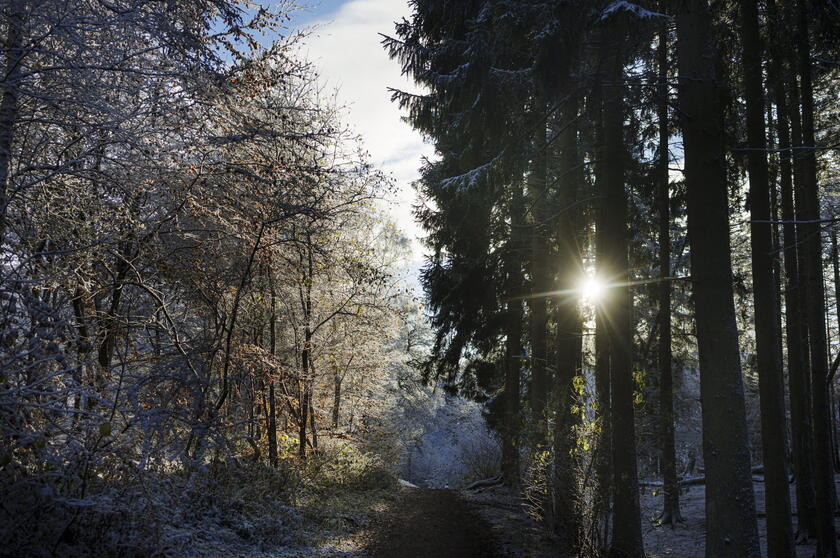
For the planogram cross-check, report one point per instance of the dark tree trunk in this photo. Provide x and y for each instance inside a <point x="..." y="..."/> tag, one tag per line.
<point x="305" y="400"/>
<point x="767" y="334"/>
<point x="110" y="320"/>
<point x="670" y="489"/>
<point x="569" y="272"/>
<point x="513" y="343"/>
<point x="824" y="488"/>
<point x="272" y="424"/>
<point x="775" y="212"/>
<point x="603" y="466"/>
<point x="303" y="414"/>
<point x="13" y="47"/>
<point x="540" y="284"/>
<point x="627" y="533"/>
<point x="336" y="410"/>
<point x="795" y="330"/>
<point x="731" y="530"/>
<point x="835" y="265"/>
<point x="272" y="399"/>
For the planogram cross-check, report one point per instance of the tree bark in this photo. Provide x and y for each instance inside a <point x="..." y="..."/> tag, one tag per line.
<point x="731" y="529"/>
<point x="13" y="46"/>
<point x="835" y="265"/>
<point x="305" y="400"/>
<point x="272" y="424"/>
<point x="671" y="492"/>
<point x="795" y="329"/>
<point x="272" y="400"/>
<point x="303" y="413"/>
<point x="336" y="397"/>
<point x="513" y="342"/>
<point x="767" y="335"/>
<point x="627" y="534"/>
<point x="566" y="312"/>
<point x="824" y="488"/>
<point x="540" y="283"/>
<point x="312" y="424"/>
<point x="110" y="320"/>
<point x="603" y="466"/>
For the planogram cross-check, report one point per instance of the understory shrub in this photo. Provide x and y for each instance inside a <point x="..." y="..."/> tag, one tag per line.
<point x="178" y="514"/>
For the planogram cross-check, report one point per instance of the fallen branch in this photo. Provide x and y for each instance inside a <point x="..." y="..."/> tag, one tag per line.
<point x="486" y="483"/>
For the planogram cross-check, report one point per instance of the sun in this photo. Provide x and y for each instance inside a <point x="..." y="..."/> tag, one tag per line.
<point x="592" y="289"/>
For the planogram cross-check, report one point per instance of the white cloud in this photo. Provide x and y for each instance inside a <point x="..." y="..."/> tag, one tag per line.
<point x="348" y="53"/>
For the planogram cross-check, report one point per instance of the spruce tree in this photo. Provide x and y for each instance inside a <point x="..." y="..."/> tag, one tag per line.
<point x="768" y="335"/>
<point x="731" y="529"/>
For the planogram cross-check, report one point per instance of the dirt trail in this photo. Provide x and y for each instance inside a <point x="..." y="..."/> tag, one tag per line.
<point x="427" y="523"/>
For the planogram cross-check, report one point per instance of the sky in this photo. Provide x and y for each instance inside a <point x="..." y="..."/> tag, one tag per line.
<point x="345" y="46"/>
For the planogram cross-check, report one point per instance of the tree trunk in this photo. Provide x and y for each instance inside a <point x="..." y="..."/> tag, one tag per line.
<point x="671" y="490"/>
<point x="627" y="533"/>
<point x="795" y="330"/>
<point x="312" y="424"/>
<point x="603" y="466"/>
<point x="110" y="321"/>
<point x="540" y="284"/>
<point x="336" y="398"/>
<point x="13" y="46"/>
<point x="767" y="336"/>
<point x="568" y="336"/>
<point x="731" y="530"/>
<point x="835" y="264"/>
<point x="272" y="400"/>
<point x="305" y="294"/>
<point x="513" y="364"/>
<point x="824" y="488"/>
<point x="237" y="299"/>
<point x="272" y="424"/>
<point x="513" y="342"/>
<point x="303" y="414"/>
<point x="775" y="213"/>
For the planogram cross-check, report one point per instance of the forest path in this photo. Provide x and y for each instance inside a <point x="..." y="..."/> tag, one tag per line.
<point x="431" y="523"/>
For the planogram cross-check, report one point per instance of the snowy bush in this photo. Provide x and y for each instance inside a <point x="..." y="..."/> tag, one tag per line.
<point x="445" y="439"/>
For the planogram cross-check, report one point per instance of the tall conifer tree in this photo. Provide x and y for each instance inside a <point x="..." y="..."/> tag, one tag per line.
<point x="731" y="530"/>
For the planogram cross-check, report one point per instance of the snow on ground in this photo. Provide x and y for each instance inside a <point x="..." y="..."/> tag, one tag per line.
<point x="686" y="540"/>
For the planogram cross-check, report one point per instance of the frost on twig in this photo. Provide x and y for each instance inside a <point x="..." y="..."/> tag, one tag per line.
<point x="632" y="9"/>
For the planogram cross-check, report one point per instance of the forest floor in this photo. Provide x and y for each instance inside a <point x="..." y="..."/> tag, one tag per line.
<point x="426" y="523"/>
<point x="686" y="539"/>
<point x="515" y="533"/>
<point x="442" y="523"/>
<point x="492" y="523"/>
<point x="381" y="520"/>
